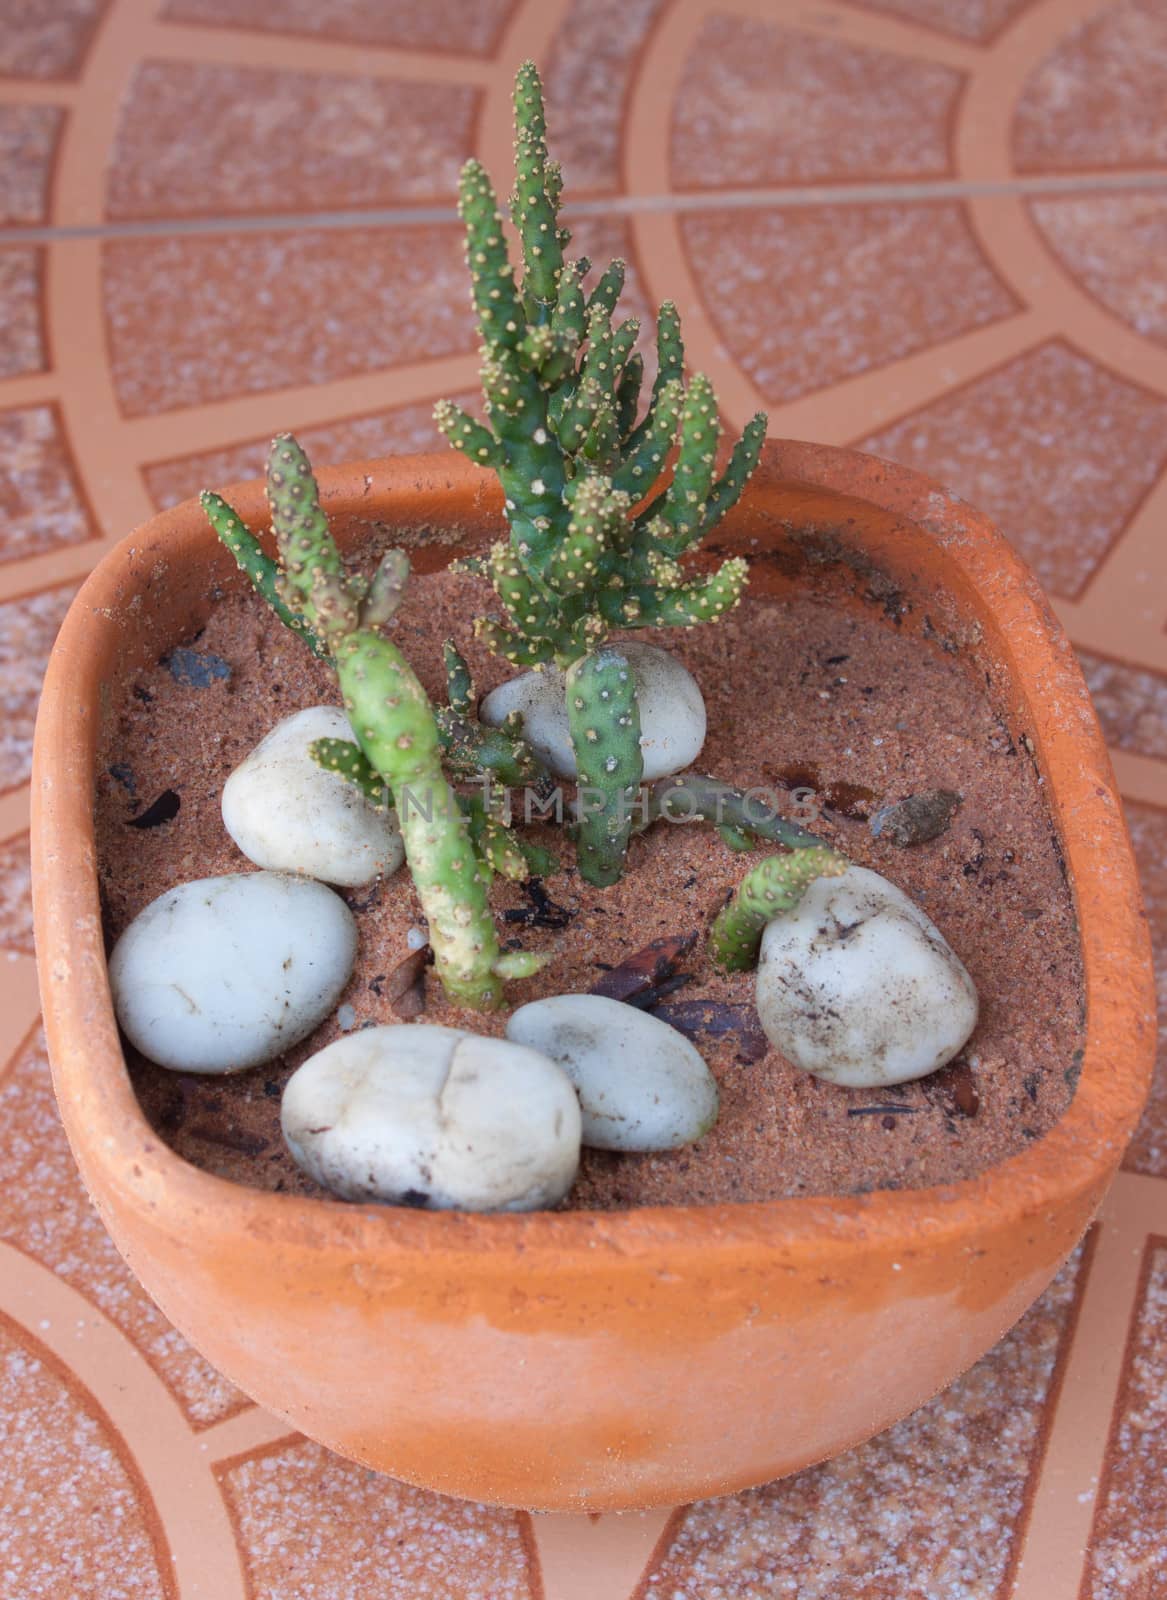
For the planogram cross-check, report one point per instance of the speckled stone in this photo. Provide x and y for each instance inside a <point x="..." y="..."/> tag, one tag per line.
<point x="803" y="298"/>
<point x="28" y="137"/>
<point x="196" y="319"/>
<point x="1128" y="1557"/>
<point x="198" y="138"/>
<point x="27" y="630"/>
<point x="22" y="349"/>
<point x="1056" y="449"/>
<point x="437" y="25"/>
<point x="765" y="104"/>
<point x="47" y="1214"/>
<point x="931" y="1506"/>
<point x="1115" y="245"/>
<point x="76" y="1520"/>
<point x="403" y="431"/>
<point x="46" y="41"/>
<point x="39" y="498"/>
<point x="311" y="1524"/>
<point x="16" y="896"/>
<point x="1097" y="99"/>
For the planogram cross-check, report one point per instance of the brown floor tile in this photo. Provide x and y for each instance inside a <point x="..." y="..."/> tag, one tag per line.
<point x="48" y="1215"/>
<point x="764" y="104"/>
<point x="40" y="502"/>
<point x="1058" y="451"/>
<point x="1148" y="826"/>
<point x="385" y="1541"/>
<point x="803" y="298"/>
<point x="197" y="319"/>
<point x="28" y="138"/>
<point x="42" y="40"/>
<point x="1097" y="100"/>
<point x="587" y="75"/>
<point x="405" y="431"/>
<point x="979" y="20"/>
<point x="198" y="139"/>
<point x="27" y="630"/>
<point x="1128" y="1558"/>
<point x="1115" y="245"/>
<point x="1131" y="705"/>
<point x="77" y="1523"/>
<point x="16" y="896"/>
<point x="454" y="25"/>
<point x="927" y="1511"/>
<point x="22" y="348"/>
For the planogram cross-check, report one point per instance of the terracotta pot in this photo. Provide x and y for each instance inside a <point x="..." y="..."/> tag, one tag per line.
<point x="618" y="1359"/>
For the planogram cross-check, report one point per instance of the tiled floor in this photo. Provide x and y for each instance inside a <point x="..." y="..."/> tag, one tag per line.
<point x="933" y="228"/>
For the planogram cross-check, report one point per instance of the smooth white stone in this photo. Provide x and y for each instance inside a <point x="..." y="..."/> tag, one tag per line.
<point x="289" y="815"/>
<point x="434" y="1117"/>
<point x="641" y="1084"/>
<point x="224" y="973"/>
<point x="672" y="712"/>
<point x="857" y="985"/>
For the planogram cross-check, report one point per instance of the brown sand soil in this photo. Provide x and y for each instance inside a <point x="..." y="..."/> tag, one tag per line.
<point x="797" y="690"/>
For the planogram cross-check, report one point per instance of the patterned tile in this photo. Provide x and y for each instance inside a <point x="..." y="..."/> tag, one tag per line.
<point x="1097" y="100"/>
<point x="1115" y="246"/>
<point x="197" y="319"/>
<point x="1148" y="826"/>
<point x="1057" y="450"/>
<point x="979" y="20"/>
<point x="453" y="25"/>
<point x="804" y="298"/>
<point x="1131" y="705"/>
<point x="926" y="1511"/>
<point x="763" y="104"/>
<point x="404" y="431"/>
<point x="28" y="138"/>
<point x="385" y="1541"/>
<point x="1128" y="1558"/>
<point x="77" y="1524"/>
<point x="16" y="896"/>
<point x="22" y="348"/>
<point x="27" y="630"/>
<point x="39" y="498"/>
<point x="47" y="41"/>
<point x="199" y="139"/>
<point x="48" y="1215"/>
<point x="587" y="76"/>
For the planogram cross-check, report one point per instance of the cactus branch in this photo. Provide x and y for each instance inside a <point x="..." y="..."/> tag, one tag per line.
<point x="260" y="569"/>
<point x="605" y="733"/>
<point x="775" y="885"/>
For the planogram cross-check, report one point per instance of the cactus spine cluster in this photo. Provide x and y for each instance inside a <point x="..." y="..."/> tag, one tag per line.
<point x="598" y="529"/>
<point x="398" y="753"/>
<point x="775" y="885"/>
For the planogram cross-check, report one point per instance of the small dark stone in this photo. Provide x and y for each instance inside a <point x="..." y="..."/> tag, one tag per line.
<point x="164" y="809"/>
<point x="417" y="1198"/>
<point x="121" y="772"/>
<point x="917" y="819"/>
<point x="143" y="695"/>
<point x="271" y="1088"/>
<point x="195" y="669"/>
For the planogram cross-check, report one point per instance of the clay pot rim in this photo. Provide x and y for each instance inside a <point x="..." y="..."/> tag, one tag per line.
<point x="1071" y="1158"/>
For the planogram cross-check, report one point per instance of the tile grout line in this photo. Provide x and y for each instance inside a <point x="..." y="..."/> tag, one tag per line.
<point x="682" y="201"/>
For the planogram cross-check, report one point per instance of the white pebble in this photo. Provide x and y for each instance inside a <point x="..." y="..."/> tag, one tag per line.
<point x="672" y="712"/>
<point x="288" y="814"/>
<point x="225" y="973"/>
<point x="433" y="1117"/>
<point x="857" y="985"/>
<point x="641" y="1084"/>
<point x="416" y="939"/>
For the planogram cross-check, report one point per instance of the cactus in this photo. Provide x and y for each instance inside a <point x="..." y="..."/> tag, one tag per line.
<point x="597" y="527"/>
<point x="398" y="740"/>
<point x="775" y="885"/>
<point x="605" y="731"/>
<point x="739" y="817"/>
<point x="472" y="750"/>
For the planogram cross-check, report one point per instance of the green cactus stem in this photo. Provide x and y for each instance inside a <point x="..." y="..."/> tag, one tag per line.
<point x="349" y="760"/>
<point x="774" y="886"/>
<point x="398" y="738"/>
<point x="604" y="718"/>
<point x="691" y="797"/>
<point x="260" y="569"/>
